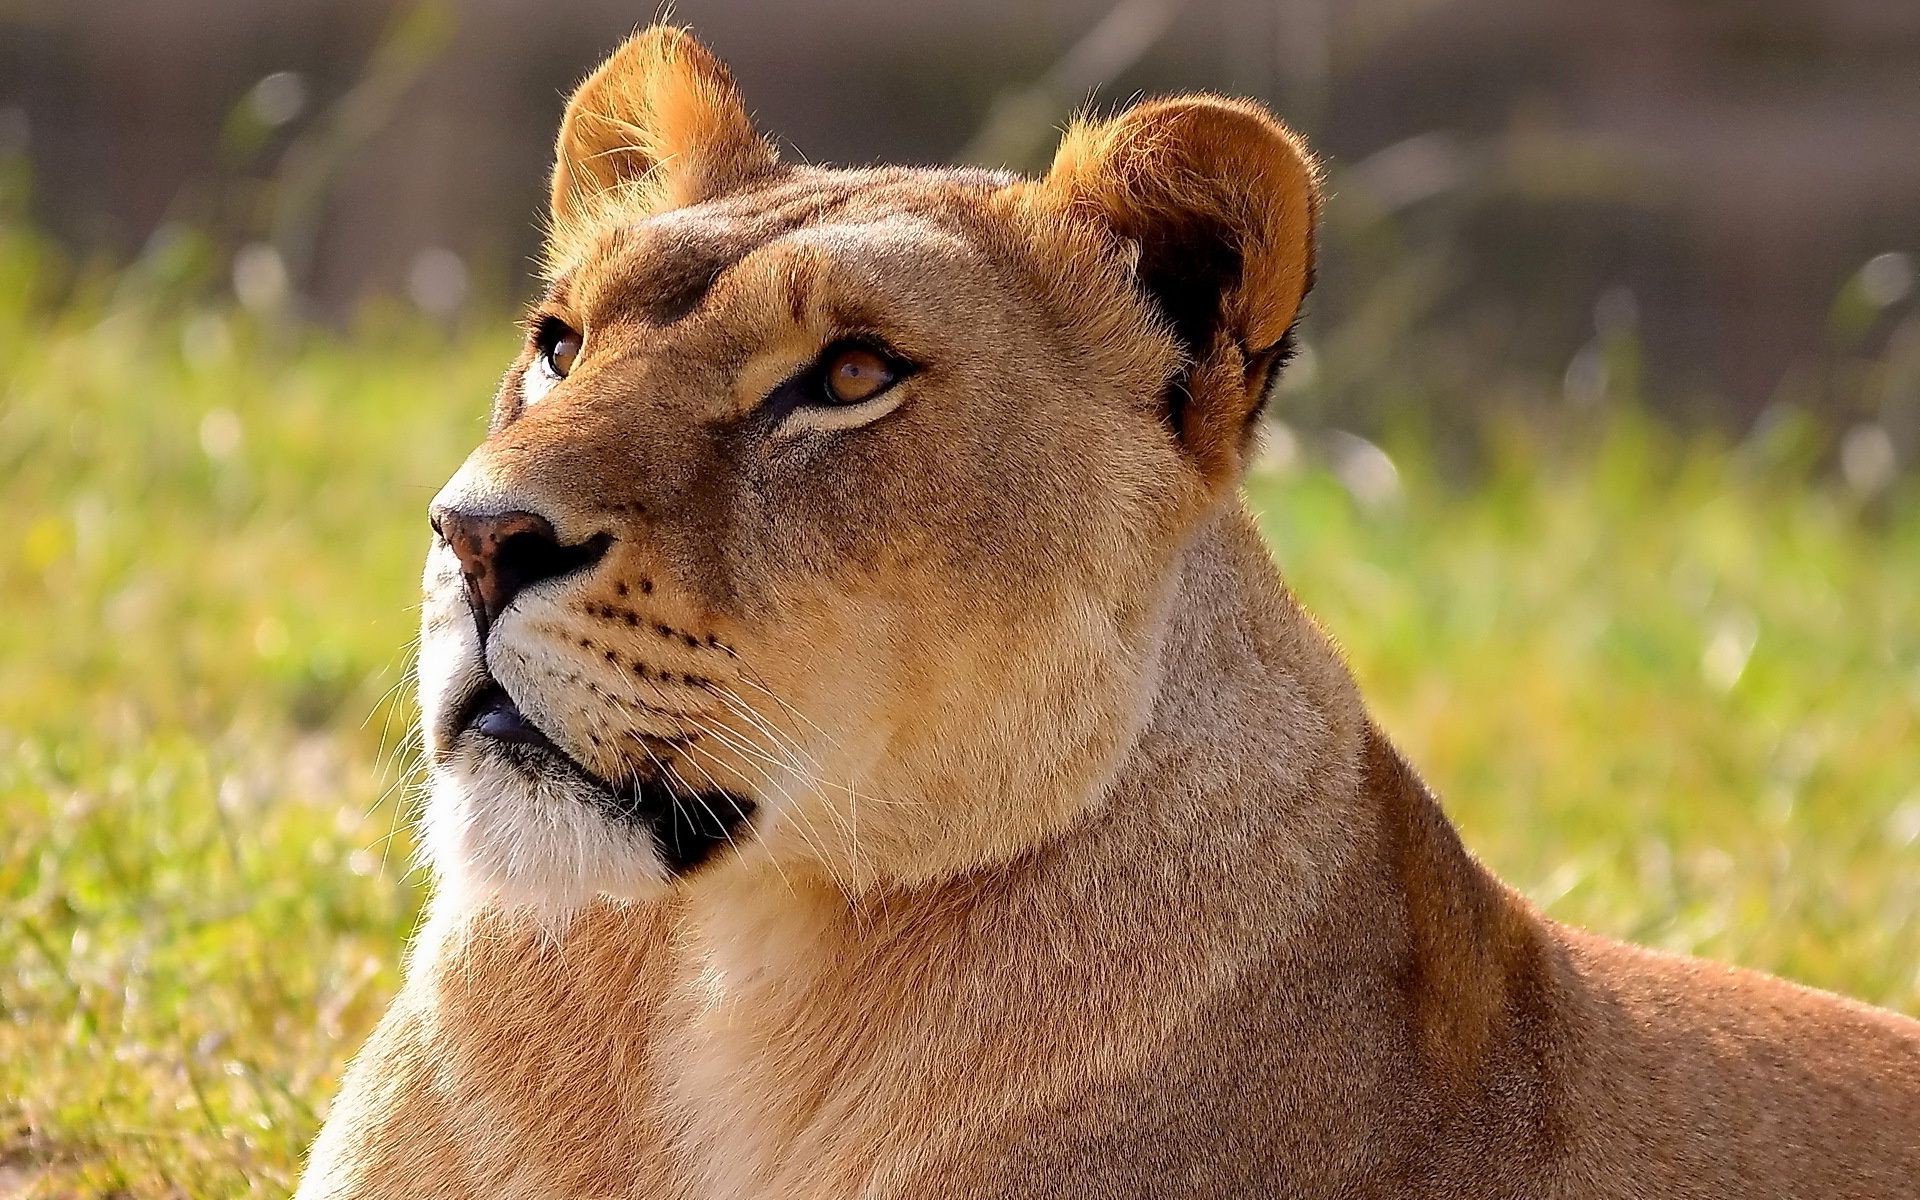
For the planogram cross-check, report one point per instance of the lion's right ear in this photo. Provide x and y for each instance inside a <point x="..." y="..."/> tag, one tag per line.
<point x="1217" y="201"/>
<point x="659" y="125"/>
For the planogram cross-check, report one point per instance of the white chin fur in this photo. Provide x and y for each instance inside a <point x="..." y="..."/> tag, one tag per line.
<point x="496" y="835"/>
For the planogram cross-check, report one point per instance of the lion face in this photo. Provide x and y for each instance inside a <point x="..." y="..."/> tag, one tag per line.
<point x="827" y="521"/>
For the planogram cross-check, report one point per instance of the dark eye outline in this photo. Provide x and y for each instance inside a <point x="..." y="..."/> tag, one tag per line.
<point x="548" y="333"/>
<point x="811" y="387"/>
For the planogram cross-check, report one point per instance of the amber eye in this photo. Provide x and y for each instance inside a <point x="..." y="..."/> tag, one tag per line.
<point x="559" y="347"/>
<point x="856" y="373"/>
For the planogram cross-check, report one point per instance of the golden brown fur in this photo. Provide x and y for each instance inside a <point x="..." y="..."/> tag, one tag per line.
<point x="1075" y="867"/>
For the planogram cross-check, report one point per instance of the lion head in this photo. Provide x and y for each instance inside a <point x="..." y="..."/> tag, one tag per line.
<point x="828" y="519"/>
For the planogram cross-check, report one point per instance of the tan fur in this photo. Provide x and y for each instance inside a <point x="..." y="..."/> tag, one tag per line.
<point x="1078" y="869"/>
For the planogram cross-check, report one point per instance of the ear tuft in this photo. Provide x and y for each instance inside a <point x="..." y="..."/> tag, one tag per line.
<point x="1221" y="200"/>
<point x="659" y="125"/>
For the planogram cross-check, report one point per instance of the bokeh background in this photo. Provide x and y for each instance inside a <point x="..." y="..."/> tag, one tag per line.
<point x="1708" y="174"/>
<point x="1599" y="460"/>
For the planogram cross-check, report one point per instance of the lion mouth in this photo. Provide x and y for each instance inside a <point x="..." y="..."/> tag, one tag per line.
<point x="687" y="824"/>
<point x="492" y="715"/>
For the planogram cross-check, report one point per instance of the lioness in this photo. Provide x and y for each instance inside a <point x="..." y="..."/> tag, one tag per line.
<point x="873" y="755"/>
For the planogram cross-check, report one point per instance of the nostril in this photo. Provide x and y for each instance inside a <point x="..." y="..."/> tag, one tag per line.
<point x="530" y="555"/>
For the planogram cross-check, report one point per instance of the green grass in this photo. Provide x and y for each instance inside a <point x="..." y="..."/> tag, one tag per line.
<point x="1669" y="687"/>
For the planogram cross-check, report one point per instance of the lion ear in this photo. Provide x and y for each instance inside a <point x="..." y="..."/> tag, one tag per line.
<point x="1221" y="201"/>
<point x="658" y="125"/>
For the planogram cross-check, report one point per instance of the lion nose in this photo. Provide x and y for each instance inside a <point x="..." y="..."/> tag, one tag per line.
<point x="502" y="554"/>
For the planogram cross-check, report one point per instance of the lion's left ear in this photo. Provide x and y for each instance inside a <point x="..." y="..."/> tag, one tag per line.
<point x="659" y="125"/>
<point x="1221" y="200"/>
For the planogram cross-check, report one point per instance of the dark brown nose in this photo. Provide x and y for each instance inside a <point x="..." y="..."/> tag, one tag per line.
<point x="502" y="554"/>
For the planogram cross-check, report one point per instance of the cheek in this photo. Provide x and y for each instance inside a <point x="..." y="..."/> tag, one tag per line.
<point x="946" y="731"/>
<point x="831" y="656"/>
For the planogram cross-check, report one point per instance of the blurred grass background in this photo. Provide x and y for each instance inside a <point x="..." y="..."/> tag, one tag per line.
<point x="1655" y="639"/>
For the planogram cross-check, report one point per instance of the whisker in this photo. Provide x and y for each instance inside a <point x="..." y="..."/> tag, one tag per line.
<point x="692" y="747"/>
<point x="753" y="680"/>
<point x="746" y="712"/>
<point x="738" y="704"/>
<point x="809" y="833"/>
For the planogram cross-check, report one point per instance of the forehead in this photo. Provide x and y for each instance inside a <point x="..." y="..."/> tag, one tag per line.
<point x="658" y="268"/>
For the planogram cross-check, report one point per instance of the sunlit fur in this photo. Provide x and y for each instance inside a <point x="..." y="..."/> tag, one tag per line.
<point x="1077" y="869"/>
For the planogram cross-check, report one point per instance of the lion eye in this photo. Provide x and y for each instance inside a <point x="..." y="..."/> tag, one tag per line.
<point x="855" y="374"/>
<point x="559" y="346"/>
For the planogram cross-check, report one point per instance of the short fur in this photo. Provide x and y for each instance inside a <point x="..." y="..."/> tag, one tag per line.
<point x="1076" y="867"/>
